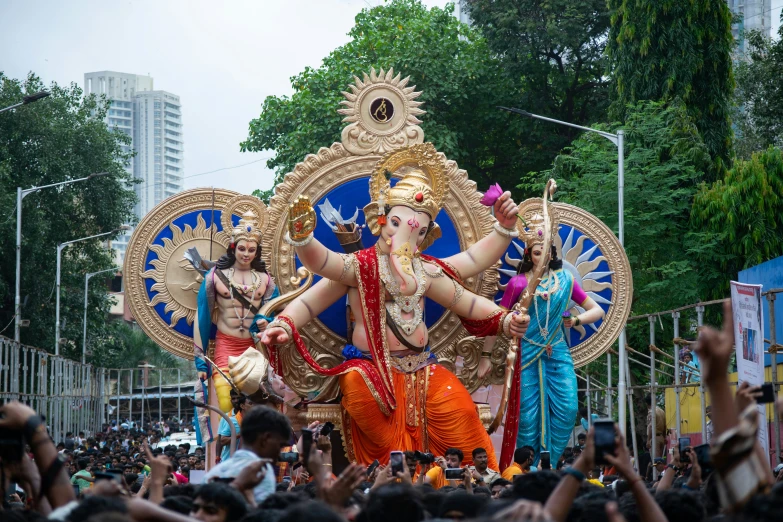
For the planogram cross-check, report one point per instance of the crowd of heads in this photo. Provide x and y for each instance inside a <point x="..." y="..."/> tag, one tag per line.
<point x="119" y="451"/>
<point x="132" y="474"/>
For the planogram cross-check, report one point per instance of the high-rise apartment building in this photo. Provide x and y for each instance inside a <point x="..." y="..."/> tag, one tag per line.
<point x="158" y="144"/>
<point x="756" y="15"/>
<point x="153" y="120"/>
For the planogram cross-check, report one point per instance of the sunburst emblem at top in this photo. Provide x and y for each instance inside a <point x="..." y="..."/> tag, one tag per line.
<point x="383" y="114"/>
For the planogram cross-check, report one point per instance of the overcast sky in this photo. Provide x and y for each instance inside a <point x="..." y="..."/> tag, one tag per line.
<point x="221" y="58"/>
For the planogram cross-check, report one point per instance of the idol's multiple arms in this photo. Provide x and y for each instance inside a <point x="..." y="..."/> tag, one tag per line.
<point x="305" y="308"/>
<point x="450" y="294"/>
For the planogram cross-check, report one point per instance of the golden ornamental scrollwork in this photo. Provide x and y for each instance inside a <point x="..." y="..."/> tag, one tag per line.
<point x="470" y="348"/>
<point x="175" y="282"/>
<point x="382" y="111"/>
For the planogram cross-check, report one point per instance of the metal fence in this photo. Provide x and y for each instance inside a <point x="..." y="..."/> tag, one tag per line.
<point x="599" y="396"/>
<point x="76" y="397"/>
<point x="148" y="395"/>
<point x="68" y="393"/>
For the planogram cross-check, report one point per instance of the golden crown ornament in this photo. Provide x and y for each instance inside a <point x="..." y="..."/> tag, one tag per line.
<point x="252" y="218"/>
<point x="533" y="232"/>
<point x="422" y="188"/>
<point x="247" y="229"/>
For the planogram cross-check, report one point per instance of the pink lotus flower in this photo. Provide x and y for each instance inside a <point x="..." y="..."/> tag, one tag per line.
<point x="491" y="195"/>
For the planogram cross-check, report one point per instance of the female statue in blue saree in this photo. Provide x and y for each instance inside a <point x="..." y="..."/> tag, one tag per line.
<point x="543" y="401"/>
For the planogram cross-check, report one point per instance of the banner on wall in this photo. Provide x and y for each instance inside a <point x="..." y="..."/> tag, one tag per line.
<point x="749" y="344"/>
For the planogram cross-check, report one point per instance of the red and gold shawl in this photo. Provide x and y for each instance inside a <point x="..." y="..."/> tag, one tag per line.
<point x="377" y="373"/>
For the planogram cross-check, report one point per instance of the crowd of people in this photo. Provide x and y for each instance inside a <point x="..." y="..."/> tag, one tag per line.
<point x="116" y="475"/>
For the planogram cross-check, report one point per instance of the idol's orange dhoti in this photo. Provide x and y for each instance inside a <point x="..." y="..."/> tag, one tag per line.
<point x="434" y="412"/>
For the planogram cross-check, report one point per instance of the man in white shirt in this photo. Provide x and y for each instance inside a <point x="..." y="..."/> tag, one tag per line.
<point x="482" y="475"/>
<point x="709" y="428"/>
<point x="265" y="432"/>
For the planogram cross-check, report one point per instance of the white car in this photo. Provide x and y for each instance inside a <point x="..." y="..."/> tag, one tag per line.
<point x="178" y="438"/>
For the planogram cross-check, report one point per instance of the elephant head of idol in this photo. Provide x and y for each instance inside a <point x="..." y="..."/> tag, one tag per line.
<point x="403" y="215"/>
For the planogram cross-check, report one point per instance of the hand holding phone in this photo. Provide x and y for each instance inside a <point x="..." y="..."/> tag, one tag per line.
<point x="604" y="440"/>
<point x="371" y="468"/>
<point x="326" y="429"/>
<point x="454" y="473"/>
<point x="307" y="444"/>
<point x="395" y="461"/>
<point x="683" y="444"/>
<point x="767" y="394"/>
<point x="546" y="463"/>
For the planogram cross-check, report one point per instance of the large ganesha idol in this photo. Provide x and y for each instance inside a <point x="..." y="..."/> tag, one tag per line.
<point x="386" y="341"/>
<point x="394" y="393"/>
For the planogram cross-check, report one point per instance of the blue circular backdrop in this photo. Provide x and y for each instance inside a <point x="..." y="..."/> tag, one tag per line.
<point x="191" y="219"/>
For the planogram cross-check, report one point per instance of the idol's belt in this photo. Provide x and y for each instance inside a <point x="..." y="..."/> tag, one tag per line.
<point x="552" y="340"/>
<point x="412" y="363"/>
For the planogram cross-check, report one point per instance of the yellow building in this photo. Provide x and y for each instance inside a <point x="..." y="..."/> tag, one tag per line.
<point x="690" y="407"/>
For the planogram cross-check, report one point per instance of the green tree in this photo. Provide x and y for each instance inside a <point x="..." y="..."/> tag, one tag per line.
<point x="738" y="220"/>
<point x="661" y="49"/>
<point x="123" y="346"/>
<point x="449" y="61"/>
<point x="552" y="54"/>
<point x="759" y="95"/>
<point x="59" y="138"/>
<point x="664" y="159"/>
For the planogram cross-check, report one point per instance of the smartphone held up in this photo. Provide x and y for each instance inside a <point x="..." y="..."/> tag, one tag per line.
<point x="604" y="440"/>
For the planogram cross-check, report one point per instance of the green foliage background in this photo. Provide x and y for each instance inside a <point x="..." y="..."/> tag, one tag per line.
<point x="663" y="49"/>
<point x="55" y="139"/>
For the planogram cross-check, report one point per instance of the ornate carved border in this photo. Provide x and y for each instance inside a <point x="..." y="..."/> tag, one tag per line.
<point x="145" y="233"/>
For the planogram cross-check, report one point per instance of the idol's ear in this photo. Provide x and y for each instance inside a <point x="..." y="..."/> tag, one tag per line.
<point x="371" y="218"/>
<point x="432" y="234"/>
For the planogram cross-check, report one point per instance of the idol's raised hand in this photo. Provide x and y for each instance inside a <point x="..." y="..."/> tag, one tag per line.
<point x="301" y="218"/>
<point x="506" y="211"/>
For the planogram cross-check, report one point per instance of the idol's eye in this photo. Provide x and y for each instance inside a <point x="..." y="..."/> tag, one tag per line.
<point x="395" y="223"/>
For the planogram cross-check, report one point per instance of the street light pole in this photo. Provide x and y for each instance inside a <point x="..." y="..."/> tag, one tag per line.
<point x="60" y="248"/>
<point x="87" y="278"/>
<point x="619" y="141"/>
<point x="30" y="98"/>
<point x="20" y="194"/>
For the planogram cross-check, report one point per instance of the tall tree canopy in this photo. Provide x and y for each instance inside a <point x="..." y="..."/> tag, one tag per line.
<point x="739" y="219"/>
<point x="552" y="54"/>
<point x="58" y="138"/>
<point x="450" y="62"/>
<point x="760" y="94"/>
<point x="661" y="49"/>
<point x="665" y="159"/>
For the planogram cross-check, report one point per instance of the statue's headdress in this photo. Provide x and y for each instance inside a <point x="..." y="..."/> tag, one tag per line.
<point x="247" y="229"/>
<point x="532" y="232"/>
<point x="423" y="186"/>
<point x="252" y="220"/>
